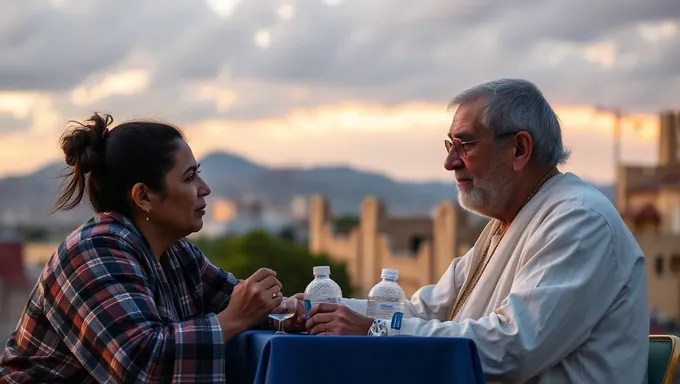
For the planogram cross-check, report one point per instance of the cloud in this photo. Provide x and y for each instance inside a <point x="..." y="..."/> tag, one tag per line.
<point x="17" y="104"/>
<point x="223" y="8"/>
<point x="122" y="83"/>
<point x="243" y="63"/>
<point x="9" y="123"/>
<point x="424" y="50"/>
<point x="26" y="111"/>
<point x="404" y="141"/>
<point x="428" y="50"/>
<point x="55" y="47"/>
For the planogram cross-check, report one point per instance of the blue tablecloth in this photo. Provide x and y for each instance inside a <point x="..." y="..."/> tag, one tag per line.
<point x="264" y="358"/>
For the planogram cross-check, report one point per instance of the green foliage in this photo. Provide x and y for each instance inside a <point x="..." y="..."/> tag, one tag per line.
<point x="344" y="224"/>
<point x="288" y="234"/>
<point x="34" y="234"/>
<point x="292" y="262"/>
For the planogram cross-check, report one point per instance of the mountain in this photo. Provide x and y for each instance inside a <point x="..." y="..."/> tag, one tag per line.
<point x="214" y="166"/>
<point x="346" y="187"/>
<point x="30" y="198"/>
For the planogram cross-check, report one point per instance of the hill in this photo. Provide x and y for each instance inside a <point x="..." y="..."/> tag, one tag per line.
<point x="29" y="198"/>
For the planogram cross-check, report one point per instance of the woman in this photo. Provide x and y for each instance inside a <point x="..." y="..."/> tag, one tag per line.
<point x="126" y="298"/>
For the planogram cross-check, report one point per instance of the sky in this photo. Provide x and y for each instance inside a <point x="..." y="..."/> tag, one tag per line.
<point x="364" y="83"/>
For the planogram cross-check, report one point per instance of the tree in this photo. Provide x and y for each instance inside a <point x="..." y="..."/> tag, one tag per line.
<point x="292" y="262"/>
<point x="344" y="224"/>
<point x="34" y="234"/>
<point x="288" y="234"/>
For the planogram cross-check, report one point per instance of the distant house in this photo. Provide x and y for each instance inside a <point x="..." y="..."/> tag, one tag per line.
<point x="15" y="287"/>
<point x="648" y="198"/>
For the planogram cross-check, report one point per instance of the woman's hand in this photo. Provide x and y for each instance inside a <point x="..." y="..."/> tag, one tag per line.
<point x="251" y="301"/>
<point x="297" y="322"/>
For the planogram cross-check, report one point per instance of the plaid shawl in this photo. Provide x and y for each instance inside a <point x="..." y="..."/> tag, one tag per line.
<point x="106" y="310"/>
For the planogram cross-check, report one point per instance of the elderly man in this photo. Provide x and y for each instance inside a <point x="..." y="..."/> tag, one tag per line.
<point x="554" y="290"/>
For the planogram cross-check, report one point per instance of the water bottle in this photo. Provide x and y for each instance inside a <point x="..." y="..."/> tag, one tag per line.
<point x="322" y="289"/>
<point x="386" y="300"/>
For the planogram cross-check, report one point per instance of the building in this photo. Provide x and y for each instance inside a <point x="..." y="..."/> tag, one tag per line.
<point x="421" y="248"/>
<point x="648" y="198"/>
<point x="21" y="264"/>
<point x="15" y="287"/>
<point x="299" y="207"/>
<point x="228" y="216"/>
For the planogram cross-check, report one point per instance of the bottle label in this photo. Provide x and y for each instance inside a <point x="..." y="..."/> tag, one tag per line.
<point x="308" y="306"/>
<point x="384" y="310"/>
<point x="387" y="307"/>
<point x="396" y="320"/>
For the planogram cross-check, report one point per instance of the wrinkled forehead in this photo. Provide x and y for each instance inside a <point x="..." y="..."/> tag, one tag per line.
<point x="467" y="121"/>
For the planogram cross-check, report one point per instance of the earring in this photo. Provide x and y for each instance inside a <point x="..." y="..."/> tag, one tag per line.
<point x="147" y="215"/>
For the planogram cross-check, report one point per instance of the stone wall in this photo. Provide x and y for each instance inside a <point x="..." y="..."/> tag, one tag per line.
<point x="421" y="248"/>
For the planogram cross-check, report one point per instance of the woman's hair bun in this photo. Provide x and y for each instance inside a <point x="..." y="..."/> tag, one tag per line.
<point x="82" y="143"/>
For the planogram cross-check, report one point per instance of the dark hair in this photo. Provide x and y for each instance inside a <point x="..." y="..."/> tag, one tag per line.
<point x="106" y="163"/>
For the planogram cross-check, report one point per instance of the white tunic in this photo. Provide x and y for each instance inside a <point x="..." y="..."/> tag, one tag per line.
<point x="562" y="300"/>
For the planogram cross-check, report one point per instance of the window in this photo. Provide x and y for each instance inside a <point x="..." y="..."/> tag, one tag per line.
<point x="414" y="243"/>
<point x="677" y="142"/>
<point x="675" y="220"/>
<point x="659" y="265"/>
<point x="675" y="263"/>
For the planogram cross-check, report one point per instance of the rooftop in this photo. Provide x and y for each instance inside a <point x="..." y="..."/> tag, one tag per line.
<point x="13" y="273"/>
<point x="663" y="181"/>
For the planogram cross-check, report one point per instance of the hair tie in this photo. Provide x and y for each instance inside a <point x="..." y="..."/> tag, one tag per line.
<point x="105" y="133"/>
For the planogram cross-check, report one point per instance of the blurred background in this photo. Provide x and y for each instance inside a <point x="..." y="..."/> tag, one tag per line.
<point x="319" y="123"/>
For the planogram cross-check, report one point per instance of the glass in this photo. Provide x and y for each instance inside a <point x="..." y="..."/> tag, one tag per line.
<point x="459" y="146"/>
<point x="284" y="311"/>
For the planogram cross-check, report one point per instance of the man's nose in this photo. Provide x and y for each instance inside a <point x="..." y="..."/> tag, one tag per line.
<point x="453" y="161"/>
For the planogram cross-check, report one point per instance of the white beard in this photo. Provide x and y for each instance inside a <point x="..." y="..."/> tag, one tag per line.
<point x="489" y="194"/>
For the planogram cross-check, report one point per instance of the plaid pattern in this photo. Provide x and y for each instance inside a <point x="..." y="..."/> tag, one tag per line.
<point x="106" y="310"/>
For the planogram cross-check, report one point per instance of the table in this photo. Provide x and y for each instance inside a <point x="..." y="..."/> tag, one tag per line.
<point x="264" y="358"/>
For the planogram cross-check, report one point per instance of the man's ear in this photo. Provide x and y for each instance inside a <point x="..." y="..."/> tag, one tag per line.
<point x="140" y="197"/>
<point x="524" y="145"/>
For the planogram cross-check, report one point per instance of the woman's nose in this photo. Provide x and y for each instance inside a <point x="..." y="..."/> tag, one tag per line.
<point x="204" y="190"/>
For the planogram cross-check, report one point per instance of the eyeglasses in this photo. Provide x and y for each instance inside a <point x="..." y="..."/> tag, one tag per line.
<point x="459" y="145"/>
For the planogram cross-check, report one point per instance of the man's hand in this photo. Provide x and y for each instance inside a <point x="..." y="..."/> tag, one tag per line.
<point x="337" y="319"/>
<point x="297" y="322"/>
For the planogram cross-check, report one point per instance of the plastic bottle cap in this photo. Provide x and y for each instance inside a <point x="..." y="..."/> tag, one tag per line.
<point x="322" y="270"/>
<point x="390" y="274"/>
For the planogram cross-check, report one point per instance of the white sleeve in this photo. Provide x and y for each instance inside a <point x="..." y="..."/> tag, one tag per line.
<point x="357" y="305"/>
<point x="557" y="297"/>
<point x="432" y="301"/>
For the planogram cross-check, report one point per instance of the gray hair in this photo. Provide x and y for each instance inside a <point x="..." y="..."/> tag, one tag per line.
<point x="512" y="105"/>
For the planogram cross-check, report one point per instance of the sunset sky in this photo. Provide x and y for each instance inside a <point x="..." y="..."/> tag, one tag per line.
<point x="313" y="82"/>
